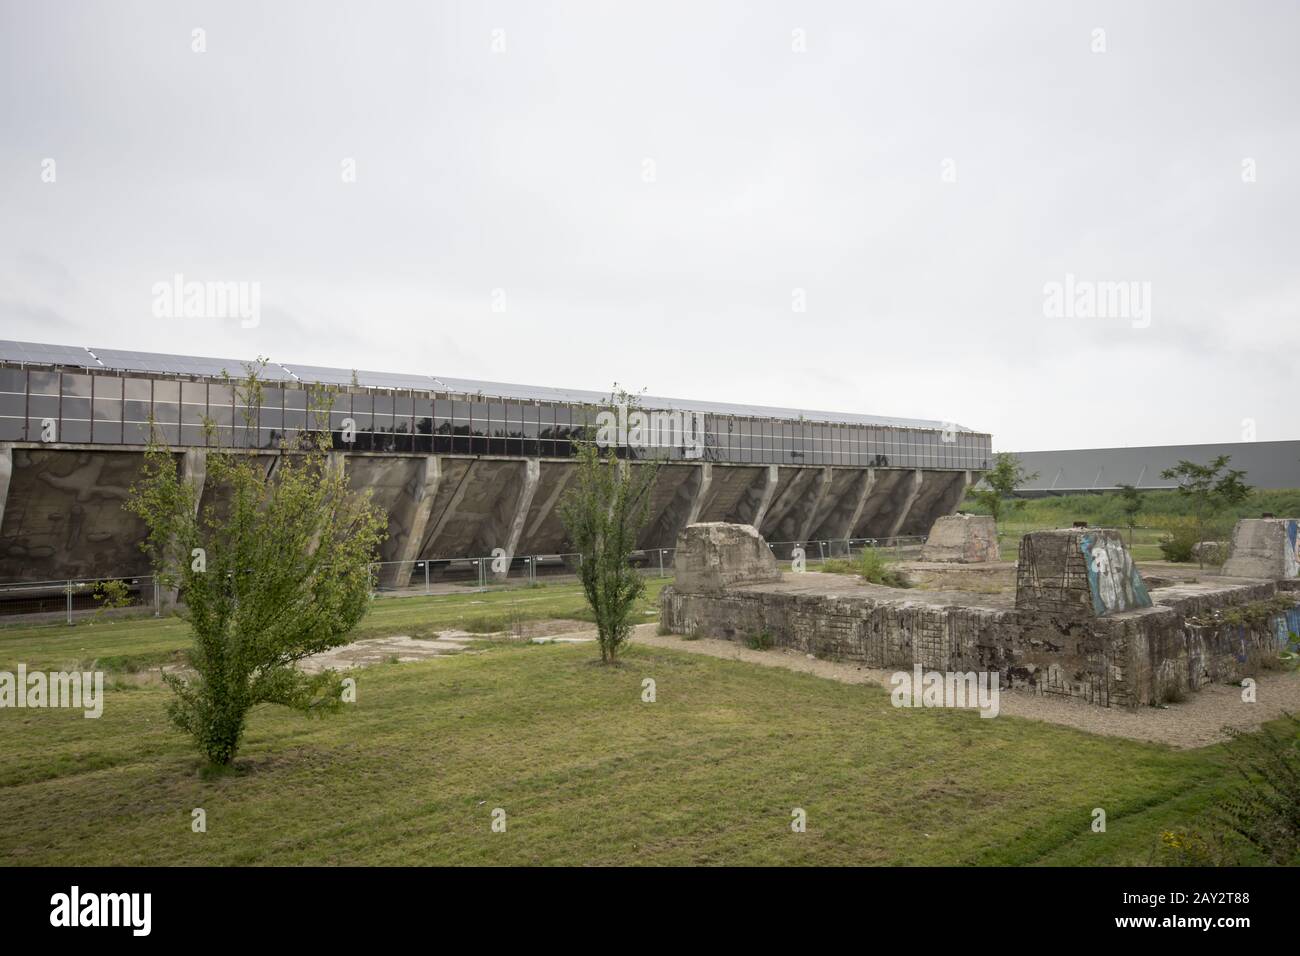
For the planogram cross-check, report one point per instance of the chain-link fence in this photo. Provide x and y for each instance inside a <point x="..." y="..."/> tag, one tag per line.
<point x="69" y="600"/>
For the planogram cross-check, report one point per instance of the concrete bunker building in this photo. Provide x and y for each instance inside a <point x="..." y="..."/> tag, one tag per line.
<point x="461" y="467"/>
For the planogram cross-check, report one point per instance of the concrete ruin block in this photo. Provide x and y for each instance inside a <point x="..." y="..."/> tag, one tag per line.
<point x="714" y="555"/>
<point x="1078" y="573"/>
<point x="965" y="539"/>
<point x="1266" y="548"/>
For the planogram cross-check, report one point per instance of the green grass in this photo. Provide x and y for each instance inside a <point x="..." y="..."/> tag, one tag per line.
<point x="138" y="643"/>
<point x="586" y="772"/>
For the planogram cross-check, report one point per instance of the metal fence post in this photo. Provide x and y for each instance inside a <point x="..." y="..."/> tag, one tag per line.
<point x="68" y="589"/>
<point x="426" y="577"/>
<point x="661" y="562"/>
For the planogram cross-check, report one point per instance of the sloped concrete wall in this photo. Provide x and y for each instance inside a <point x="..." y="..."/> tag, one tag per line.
<point x="61" y="506"/>
<point x="63" y="516"/>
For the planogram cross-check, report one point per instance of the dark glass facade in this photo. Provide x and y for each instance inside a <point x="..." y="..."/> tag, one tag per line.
<point x="115" y="409"/>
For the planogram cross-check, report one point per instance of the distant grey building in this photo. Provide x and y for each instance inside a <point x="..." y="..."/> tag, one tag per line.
<point x="1268" y="464"/>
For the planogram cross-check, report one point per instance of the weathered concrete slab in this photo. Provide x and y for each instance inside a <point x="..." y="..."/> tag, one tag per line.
<point x="964" y="539"/>
<point x="1266" y="548"/>
<point x="714" y="555"/>
<point x="1078" y="572"/>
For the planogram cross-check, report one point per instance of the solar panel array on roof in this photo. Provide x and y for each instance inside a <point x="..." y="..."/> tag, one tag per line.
<point x="543" y="394"/>
<point x="33" y="353"/>
<point x="159" y="363"/>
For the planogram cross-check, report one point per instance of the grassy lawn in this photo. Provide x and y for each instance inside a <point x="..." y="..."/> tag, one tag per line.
<point x="135" y="643"/>
<point x="586" y="772"/>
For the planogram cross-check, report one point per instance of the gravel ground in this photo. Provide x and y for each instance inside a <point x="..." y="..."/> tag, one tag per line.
<point x="1196" y="722"/>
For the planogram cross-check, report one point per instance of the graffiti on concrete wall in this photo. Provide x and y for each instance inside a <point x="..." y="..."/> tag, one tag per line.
<point x="1112" y="577"/>
<point x="1286" y="624"/>
<point x="1292" y="549"/>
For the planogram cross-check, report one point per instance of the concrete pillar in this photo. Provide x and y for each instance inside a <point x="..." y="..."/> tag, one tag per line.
<point x="842" y="511"/>
<point x="701" y="492"/>
<point x="423" y="492"/>
<point x="787" y="500"/>
<point x="868" y="483"/>
<point x="335" y="461"/>
<point x="194" y="469"/>
<point x="524" y="501"/>
<point x="769" y="492"/>
<point x="548" y="505"/>
<point x="818" y="500"/>
<point x="194" y="472"/>
<point x="6" y="473"/>
<point x="913" y="488"/>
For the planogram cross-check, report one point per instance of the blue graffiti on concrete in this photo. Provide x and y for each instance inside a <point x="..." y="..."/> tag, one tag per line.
<point x="1292" y="564"/>
<point x="1112" y="577"/>
<point x="1286" y="624"/>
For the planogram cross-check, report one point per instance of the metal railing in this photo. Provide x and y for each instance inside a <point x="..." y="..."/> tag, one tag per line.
<point x="72" y="599"/>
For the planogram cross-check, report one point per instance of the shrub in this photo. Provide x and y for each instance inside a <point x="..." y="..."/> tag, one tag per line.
<point x="110" y="595"/>
<point x="838" y="566"/>
<point x="760" y="641"/>
<point x="1179" y="540"/>
<point x="875" y="568"/>
<point x="1265" y="811"/>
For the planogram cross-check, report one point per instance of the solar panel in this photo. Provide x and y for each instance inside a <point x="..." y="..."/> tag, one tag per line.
<point x="34" y="353"/>
<point x="539" y="393"/>
<point x="395" y="380"/>
<point x="160" y="363"/>
<point x="319" y="374"/>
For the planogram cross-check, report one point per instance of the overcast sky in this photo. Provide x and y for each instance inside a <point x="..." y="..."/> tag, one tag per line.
<point x="580" y="193"/>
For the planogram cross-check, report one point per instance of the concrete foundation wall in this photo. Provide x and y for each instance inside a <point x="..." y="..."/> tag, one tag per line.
<point x="1057" y="640"/>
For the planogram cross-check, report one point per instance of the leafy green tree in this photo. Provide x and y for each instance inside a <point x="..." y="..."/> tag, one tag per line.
<point x="602" y="513"/>
<point x="1000" y="483"/>
<point x="1131" y="506"/>
<point x="273" y="570"/>
<point x="1209" y="490"/>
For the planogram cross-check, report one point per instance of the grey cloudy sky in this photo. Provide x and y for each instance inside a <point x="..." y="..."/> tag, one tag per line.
<point x="524" y="170"/>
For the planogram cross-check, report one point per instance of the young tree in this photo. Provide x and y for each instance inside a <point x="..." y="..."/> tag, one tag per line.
<point x="1209" y="489"/>
<point x="272" y="571"/>
<point x="602" y="514"/>
<point x="1000" y="483"/>
<point x="1131" y="505"/>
